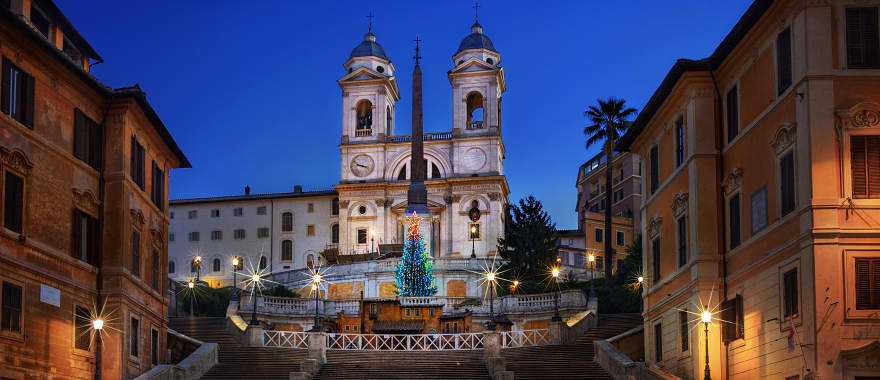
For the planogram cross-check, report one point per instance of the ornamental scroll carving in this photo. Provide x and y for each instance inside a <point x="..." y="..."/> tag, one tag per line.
<point x="861" y="115"/>
<point x="86" y="202"/>
<point x="784" y="138"/>
<point x="137" y="217"/>
<point x="733" y="181"/>
<point x="679" y="203"/>
<point x="654" y="225"/>
<point x="16" y="160"/>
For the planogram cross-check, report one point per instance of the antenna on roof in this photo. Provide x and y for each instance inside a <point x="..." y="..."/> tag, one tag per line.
<point x="370" y="22"/>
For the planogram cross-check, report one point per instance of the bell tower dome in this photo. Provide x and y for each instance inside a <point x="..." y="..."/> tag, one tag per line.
<point x="369" y="92"/>
<point x="477" y="81"/>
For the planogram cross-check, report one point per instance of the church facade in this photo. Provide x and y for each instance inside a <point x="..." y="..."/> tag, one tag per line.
<point x="290" y="231"/>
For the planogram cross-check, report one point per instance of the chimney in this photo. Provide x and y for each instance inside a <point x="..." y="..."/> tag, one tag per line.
<point x="297" y="188"/>
<point x="247" y="189"/>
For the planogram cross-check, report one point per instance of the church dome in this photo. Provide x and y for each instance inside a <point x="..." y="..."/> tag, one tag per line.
<point x="369" y="48"/>
<point x="476" y="40"/>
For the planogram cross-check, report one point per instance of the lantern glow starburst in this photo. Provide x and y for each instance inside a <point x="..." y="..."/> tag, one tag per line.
<point x="254" y="279"/>
<point x="317" y="278"/>
<point x="705" y="312"/>
<point x="490" y="276"/>
<point x="98" y="322"/>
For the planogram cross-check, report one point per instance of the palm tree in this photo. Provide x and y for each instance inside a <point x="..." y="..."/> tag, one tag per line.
<point x="609" y="119"/>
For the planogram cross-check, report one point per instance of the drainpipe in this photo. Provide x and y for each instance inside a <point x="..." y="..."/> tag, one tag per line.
<point x="102" y="196"/>
<point x="719" y="169"/>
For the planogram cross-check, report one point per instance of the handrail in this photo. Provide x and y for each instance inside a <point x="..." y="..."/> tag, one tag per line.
<point x="405" y="342"/>
<point x="525" y="338"/>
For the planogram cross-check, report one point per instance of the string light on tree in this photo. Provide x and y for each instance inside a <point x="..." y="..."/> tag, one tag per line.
<point x="415" y="272"/>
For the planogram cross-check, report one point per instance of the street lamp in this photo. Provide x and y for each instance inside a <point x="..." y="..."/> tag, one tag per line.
<point x="555" y="273"/>
<point x="235" y="262"/>
<point x="490" y="279"/>
<point x="198" y="262"/>
<point x="514" y="285"/>
<point x="255" y="278"/>
<point x="316" y="282"/>
<point x="473" y="241"/>
<point x="98" y="324"/>
<point x="192" y="293"/>
<point x="591" y="258"/>
<point x="706" y="318"/>
<point x="641" y="279"/>
<point x="372" y="240"/>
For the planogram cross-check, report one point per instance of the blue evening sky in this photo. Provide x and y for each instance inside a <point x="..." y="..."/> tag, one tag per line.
<point x="248" y="88"/>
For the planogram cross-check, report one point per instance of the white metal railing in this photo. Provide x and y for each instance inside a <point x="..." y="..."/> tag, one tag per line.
<point x="405" y="342"/>
<point x="286" y="339"/>
<point x="525" y="338"/>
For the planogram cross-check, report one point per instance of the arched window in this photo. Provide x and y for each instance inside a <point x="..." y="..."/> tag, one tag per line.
<point x="286" y="250"/>
<point x="310" y="261"/>
<point x="364" y="116"/>
<point x="215" y="265"/>
<point x="387" y="120"/>
<point x="474" y="111"/>
<point x="334" y="206"/>
<point x="334" y="234"/>
<point x="263" y="263"/>
<point x="287" y="222"/>
<point x="435" y="171"/>
<point x="171" y="267"/>
<point x="402" y="174"/>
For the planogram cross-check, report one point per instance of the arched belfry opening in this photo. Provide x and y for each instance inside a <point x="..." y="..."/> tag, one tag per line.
<point x="388" y="120"/>
<point x="475" y="110"/>
<point x="364" y="112"/>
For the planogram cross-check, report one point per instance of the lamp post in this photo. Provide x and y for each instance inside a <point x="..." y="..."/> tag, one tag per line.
<point x="235" y="261"/>
<point x="591" y="258"/>
<point x="255" y="278"/>
<point x="192" y="294"/>
<point x="316" y="288"/>
<point x="490" y="279"/>
<point x="514" y="285"/>
<point x="372" y="240"/>
<point x="555" y="273"/>
<point x="198" y="262"/>
<point x="473" y="241"/>
<point x="706" y="318"/>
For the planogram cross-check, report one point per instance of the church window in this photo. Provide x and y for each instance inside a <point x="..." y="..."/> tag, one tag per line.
<point x="362" y="210"/>
<point x="362" y="236"/>
<point x="387" y="120"/>
<point x="402" y="174"/>
<point x="380" y="69"/>
<point x="474" y="111"/>
<point x="364" y="118"/>
<point x="216" y="265"/>
<point x="490" y="61"/>
<point x="435" y="171"/>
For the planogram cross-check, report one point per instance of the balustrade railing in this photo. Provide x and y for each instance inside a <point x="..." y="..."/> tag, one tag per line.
<point x="363" y="132"/>
<point x="286" y="339"/>
<point x="426" y="137"/>
<point x="405" y="342"/>
<point x="525" y="338"/>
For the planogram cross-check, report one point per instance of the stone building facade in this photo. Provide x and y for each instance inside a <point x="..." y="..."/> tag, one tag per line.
<point x="83" y="176"/>
<point x="760" y="162"/>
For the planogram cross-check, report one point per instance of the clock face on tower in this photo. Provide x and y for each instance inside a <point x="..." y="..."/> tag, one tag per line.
<point x="362" y="165"/>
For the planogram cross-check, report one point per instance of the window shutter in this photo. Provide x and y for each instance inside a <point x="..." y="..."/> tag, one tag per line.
<point x="80" y="136"/>
<point x="655" y="168"/>
<point x="27" y="100"/>
<point x="655" y="259"/>
<point x="783" y="60"/>
<point x="13" y="202"/>
<point x="4" y="88"/>
<point x="863" y="284"/>
<point x="787" y="187"/>
<point x="77" y="237"/>
<point x="732" y="315"/>
<point x="790" y="284"/>
<point x="862" y="38"/>
<point x="96" y="144"/>
<point x="732" y="114"/>
<point x="734" y="221"/>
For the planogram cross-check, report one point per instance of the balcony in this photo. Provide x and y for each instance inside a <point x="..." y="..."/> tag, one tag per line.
<point x="363" y="132"/>
<point x="430" y="136"/>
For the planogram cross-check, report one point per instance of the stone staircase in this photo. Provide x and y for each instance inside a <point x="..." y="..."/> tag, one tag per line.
<point x="237" y="361"/>
<point x="569" y="361"/>
<point x="420" y="365"/>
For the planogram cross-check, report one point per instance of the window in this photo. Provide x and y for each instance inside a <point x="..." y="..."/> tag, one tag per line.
<point x="658" y="342"/>
<point x="435" y="171"/>
<point x="679" y="141"/>
<point x="733" y="221"/>
<point x="136" y="253"/>
<point x="474" y="231"/>
<point x="862" y="38"/>
<point x="287" y="222"/>
<point x="334" y="206"/>
<point x="310" y="261"/>
<point x="13" y="202"/>
<point x="311" y="207"/>
<point x="194" y="236"/>
<point x="788" y="198"/>
<point x="217" y="235"/>
<point x="261" y="210"/>
<point x="87" y="140"/>
<point x="732" y="313"/>
<point x="790" y="293"/>
<point x="154" y="271"/>
<point x="598" y="235"/>
<point x="759" y="210"/>
<point x="783" y="61"/>
<point x="620" y="238"/>
<point x="10" y="318"/>
<point x="362" y="236"/>
<point x="154" y="347"/>
<point x="683" y="330"/>
<point x="18" y="94"/>
<point x="334" y="234"/>
<point x="85" y="237"/>
<point x="286" y="250"/>
<point x="682" y="241"/>
<point x="263" y="263"/>
<point x="867" y="274"/>
<point x="655" y="168"/>
<point x="171" y="237"/>
<point x="82" y="328"/>
<point x="401" y="175"/>
<point x="192" y="214"/>
<point x="215" y="213"/>
<point x="732" y="113"/>
<point x="310" y="230"/>
<point x="134" y="335"/>
<point x="238" y="211"/>
<point x="655" y="258"/>
<point x="240" y="234"/>
<point x="216" y="266"/>
<point x="40" y="22"/>
<point x="158" y="192"/>
<point x="364" y="116"/>
<point x="137" y="162"/>
<point x="263" y="232"/>
<point x="865" y="166"/>
<point x="171" y="267"/>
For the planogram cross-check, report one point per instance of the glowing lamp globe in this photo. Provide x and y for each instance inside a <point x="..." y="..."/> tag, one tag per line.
<point x="641" y="279"/>
<point x="515" y="283"/>
<point x="473" y="229"/>
<point x="191" y="284"/>
<point x="314" y="287"/>
<point x="98" y="324"/>
<point x="490" y="276"/>
<point x="198" y="259"/>
<point x="255" y="277"/>
<point x="591" y="258"/>
<point x="235" y="261"/>
<point x="706" y="316"/>
<point x="554" y="272"/>
<point x="316" y="278"/>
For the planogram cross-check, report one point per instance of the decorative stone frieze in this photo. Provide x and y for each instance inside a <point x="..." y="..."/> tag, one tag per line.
<point x="86" y="202"/>
<point x="861" y="115"/>
<point x="137" y="217"/>
<point x="654" y="225"/>
<point x="733" y="181"/>
<point x="16" y="160"/>
<point x="679" y="203"/>
<point x="784" y="138"/>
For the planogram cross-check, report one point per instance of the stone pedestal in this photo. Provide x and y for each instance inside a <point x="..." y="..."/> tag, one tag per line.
<point x="318" y="347"/>
<point x="557" y="332"/>
<point x="491" y="345"/>
<point x="254" y="335"/>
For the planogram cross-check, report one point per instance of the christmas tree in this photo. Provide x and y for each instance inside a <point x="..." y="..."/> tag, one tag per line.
<point x="415" y="273"/>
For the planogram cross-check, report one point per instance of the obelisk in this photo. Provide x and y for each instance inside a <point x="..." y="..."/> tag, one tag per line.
<point x="417" y="195"/>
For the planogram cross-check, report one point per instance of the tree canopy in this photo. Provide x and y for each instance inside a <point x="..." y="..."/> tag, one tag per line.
<point x="529" y="245"/>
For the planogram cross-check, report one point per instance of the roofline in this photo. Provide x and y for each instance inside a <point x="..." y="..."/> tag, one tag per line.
<point x="74" y="33"/>
<point x="140" y="97"/>
<point x="681" y="66"/>
<point x="252" y="197"/>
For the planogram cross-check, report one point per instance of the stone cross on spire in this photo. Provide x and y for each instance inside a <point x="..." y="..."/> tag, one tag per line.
<point x="417" y="195"/>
